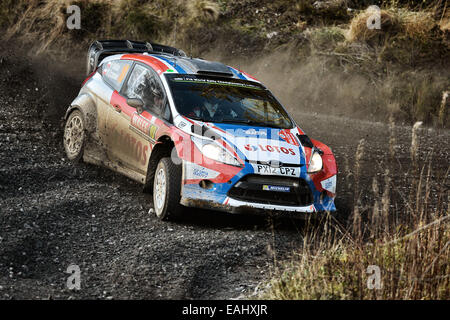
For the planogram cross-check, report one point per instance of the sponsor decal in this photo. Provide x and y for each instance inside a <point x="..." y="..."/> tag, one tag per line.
<point x="131" y="146"/>
<point x="329" y="184"/>
<point x="187" y="78"/>
<point x="194" y="172"/>
<point x="287" y="136"/>
<point x="255" y="132"/>
<point x="201" y="173"/>
<point x="276" y="188"/>
<point x="144" y="126"/>
<point x="123" y="73"/>
<point x="270" y="148"/>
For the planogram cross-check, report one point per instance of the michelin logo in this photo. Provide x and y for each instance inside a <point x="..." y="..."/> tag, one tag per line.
<point x="276" y="188"/>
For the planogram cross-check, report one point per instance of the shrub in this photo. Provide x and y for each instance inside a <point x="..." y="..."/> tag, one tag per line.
<point x="325" y="38"/>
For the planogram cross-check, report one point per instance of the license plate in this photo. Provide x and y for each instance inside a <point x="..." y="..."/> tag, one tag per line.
<point x="276" y="188"/>
<point x="283" y="171"/>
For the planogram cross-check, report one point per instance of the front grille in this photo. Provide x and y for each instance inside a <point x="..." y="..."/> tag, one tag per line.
<point x="251" y="189"/>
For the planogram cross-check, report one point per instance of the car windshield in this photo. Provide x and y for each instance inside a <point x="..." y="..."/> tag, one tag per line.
<point x="226" y="101"/>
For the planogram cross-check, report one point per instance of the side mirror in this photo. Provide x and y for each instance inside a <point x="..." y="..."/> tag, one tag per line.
<point x="136" y="103"/>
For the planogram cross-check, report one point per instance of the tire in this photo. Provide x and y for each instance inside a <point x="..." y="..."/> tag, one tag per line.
<point x="74" y="136"/>
<point x="167" y="190"/>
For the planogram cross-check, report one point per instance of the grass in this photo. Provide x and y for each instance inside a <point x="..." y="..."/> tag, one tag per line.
<point x="410" y="246"/>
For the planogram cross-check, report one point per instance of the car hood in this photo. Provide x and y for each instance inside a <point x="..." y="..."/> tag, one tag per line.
<point x="262" y="144"/>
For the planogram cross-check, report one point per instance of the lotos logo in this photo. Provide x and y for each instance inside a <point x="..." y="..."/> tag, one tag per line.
<point x="270" y="148"/>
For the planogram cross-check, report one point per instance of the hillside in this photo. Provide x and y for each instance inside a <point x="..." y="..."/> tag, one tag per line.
<point x="318" y="56"/>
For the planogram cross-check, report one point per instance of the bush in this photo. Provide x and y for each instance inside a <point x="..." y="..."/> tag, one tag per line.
<point x="405" y="37"/>
<point x="325" y="38"/>
<point x="394" y="23"/>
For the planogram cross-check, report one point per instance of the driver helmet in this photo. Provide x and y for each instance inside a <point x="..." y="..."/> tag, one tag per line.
<point x="211" y="107"/>
<point x="155" y="89"/>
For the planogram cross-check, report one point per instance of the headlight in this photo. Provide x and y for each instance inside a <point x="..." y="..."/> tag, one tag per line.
<point x="215" y="152"/>
<point x="315" y="163"/>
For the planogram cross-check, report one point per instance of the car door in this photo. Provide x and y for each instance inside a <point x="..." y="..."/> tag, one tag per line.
<point x="114" y="73"/>
<point x="109" y="78"/>
<point x="136" y="129"/>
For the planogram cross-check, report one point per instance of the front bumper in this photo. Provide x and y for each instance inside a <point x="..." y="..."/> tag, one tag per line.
<point x="219" y="197"/>
<point x="240" y="207"/>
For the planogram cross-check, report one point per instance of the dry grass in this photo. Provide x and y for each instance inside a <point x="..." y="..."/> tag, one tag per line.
<point x="358" y="30"/>
<point x="43" y="23"/>
<point x="411" y="247"/>
<point x="406" y="37"/>
<point x="412" y="267"/>
<point x="394" y="22"/>
<point x="443" y="110"/>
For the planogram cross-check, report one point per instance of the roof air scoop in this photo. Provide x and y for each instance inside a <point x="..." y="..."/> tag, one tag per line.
<point x="200" y="66"/>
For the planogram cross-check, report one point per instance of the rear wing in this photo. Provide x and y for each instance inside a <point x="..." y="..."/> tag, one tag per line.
<point x="101" y="49"/>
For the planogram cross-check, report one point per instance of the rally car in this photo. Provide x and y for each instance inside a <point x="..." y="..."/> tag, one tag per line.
<point x="195" y="133"/>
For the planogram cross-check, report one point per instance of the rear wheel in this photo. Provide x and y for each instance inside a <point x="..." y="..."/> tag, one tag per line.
<point x="74" y="136"/>
<point x="167" y="190"/>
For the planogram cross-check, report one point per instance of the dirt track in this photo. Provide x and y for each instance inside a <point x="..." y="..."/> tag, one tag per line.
<point x="53" y="214"/>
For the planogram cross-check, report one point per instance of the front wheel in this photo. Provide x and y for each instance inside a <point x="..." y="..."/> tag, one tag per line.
<point x="167" y="189"/>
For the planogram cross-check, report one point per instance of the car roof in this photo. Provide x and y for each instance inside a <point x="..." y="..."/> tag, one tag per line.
<point x="167" y="63"/>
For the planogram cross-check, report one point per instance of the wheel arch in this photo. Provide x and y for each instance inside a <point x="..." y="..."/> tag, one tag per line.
<point x="86" y="105"/>
<point x="162" y="148"/>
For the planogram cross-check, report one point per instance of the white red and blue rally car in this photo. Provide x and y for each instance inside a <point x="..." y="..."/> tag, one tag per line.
<point x="195" y="133"/>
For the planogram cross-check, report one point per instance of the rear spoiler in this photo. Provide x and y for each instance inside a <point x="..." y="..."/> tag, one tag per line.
<point x="101" y="49"/>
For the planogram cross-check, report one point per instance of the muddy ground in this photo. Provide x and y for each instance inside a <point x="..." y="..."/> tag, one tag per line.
<point x="53" y="214"/>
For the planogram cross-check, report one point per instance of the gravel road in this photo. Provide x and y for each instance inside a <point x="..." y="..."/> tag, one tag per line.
<point x="54" y="214"/>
